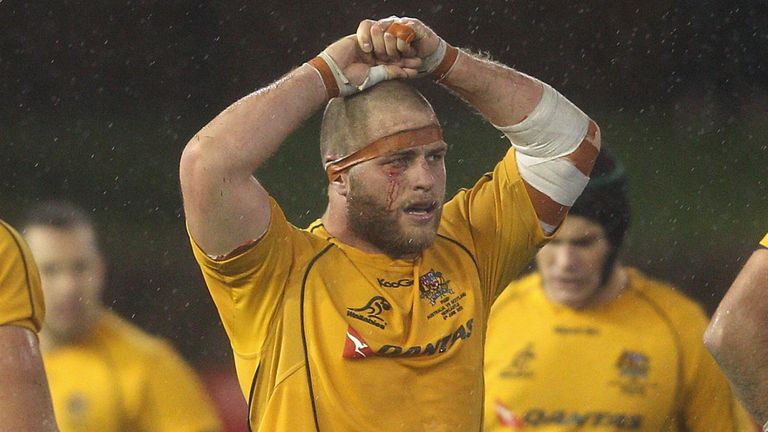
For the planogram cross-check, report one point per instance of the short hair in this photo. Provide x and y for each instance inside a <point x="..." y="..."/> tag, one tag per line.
<point x="56" y="213"/>
<point x="346" y="121"/>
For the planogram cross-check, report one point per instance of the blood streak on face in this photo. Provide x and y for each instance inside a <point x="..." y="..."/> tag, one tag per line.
<point x="394" y="185"/>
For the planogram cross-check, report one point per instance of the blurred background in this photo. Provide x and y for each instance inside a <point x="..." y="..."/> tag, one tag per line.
<point x="99" y="98"/>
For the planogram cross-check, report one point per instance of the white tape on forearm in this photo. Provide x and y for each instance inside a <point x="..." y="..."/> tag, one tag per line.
<point x="555" y="128"/>
<point x="558" y="179"/>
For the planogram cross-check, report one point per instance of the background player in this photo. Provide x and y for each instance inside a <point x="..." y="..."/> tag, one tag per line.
<point x="586" y="343"/>
<point x="105" y="374"/>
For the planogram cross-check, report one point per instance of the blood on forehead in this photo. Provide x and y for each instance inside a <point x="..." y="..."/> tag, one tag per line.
<point x="388" y="144"/>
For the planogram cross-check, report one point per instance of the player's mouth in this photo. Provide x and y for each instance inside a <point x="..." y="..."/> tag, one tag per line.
<point x="421" y="211"/>
<point x="569" y="283"/>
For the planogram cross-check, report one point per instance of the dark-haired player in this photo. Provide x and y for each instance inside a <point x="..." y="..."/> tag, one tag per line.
<point x="588" y="344"/>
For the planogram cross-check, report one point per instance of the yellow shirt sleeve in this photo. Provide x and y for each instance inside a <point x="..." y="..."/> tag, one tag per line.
<point x="174" y="397"/>
<point x="764" y="242"/>
<point x="21" y="296"/>
<point x="248" y="288"/>
<point x="497" y="221"/>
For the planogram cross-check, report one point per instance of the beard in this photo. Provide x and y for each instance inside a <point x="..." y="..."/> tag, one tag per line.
<point x="372" y="221"/>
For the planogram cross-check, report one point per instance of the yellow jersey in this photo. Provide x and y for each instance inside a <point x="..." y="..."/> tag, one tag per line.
<point x="123" y="380"/>
<point x="764" y="243"/>
<point x="21" y="295"/>
<point x="636" y="363"/>
<point x="329" y="338"/>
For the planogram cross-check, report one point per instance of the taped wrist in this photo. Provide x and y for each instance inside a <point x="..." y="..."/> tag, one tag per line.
<point x="337" y="84"/>
<point x="440" y="63"/>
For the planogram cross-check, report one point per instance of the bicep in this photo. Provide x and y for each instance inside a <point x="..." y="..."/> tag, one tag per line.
<point x="25" y="401"/>
<point x="223" y="209"/>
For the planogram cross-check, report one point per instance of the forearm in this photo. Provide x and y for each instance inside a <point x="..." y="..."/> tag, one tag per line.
<point x="557" y="143"/>
<point x="503" y="95"/>
<point x="249" y="131"/>
<point x="736" y="336"/>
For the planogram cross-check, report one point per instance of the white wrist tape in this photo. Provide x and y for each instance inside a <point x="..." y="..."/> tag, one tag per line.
<point x="555" y="128"/>
<point x="376" y="75"/>
<point x="432" y="61"/>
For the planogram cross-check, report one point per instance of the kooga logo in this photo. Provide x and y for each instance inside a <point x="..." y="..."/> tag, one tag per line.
<point x="394" y="284"/>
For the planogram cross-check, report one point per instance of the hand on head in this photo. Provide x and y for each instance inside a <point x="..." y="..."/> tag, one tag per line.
<point x="391" y="48"/>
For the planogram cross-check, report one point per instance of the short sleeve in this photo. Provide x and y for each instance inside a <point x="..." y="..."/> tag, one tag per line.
<point x="496" y="220"/>
<point x="247" y="288"/>
<point x="21" y="295"/>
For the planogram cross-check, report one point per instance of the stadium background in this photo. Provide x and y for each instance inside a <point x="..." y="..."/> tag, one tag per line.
<point x="99" y="98"/>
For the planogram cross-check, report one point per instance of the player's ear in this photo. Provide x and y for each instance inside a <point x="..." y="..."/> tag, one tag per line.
<point x="340" y="184"/>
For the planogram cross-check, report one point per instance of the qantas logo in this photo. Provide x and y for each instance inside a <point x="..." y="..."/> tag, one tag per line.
<point x="370" y="313"/>
<point x="441" y="345"/>
<point x="507" y="417"/>
<point x="538" y="417"/>
<point x="355" y="346"/>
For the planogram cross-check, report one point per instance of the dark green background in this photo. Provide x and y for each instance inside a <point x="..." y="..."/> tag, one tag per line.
<point x="99" y="98"/>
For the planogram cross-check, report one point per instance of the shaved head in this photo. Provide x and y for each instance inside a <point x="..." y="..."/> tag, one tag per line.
<point x="353" y="122"/>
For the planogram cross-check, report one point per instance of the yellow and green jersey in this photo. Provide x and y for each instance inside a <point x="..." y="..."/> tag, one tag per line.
<point x="21" y="296"/>
<point x="123" y="380"/>
<point x="329" y="338"/>
<point x="637" y="363"/>
<point x="764" y="242"/>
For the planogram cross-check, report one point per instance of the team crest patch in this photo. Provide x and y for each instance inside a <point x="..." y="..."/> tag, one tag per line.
<point x="633" y="369"/>
<point x="432" y="286"/>
<point x="633" y="364"/>
<point x="371" y="312"/>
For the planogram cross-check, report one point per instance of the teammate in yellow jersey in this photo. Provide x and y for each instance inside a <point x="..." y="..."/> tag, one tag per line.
<point x="105" y="373"/>
<point x="737" y="335"/>
<point x="25" y="403"/>
<point x="373" y="319"/>
<point x="588" y="344"/>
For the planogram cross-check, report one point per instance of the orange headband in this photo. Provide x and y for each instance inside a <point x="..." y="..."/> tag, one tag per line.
<point x="397" y="141"/>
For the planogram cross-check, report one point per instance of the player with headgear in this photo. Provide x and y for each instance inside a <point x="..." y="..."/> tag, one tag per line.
<point x="587" y="343"/>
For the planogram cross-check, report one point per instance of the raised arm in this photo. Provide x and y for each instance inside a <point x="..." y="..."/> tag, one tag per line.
<point x="225" y="205"/>
<point x="737" y="336"/>
<point x="557" y="144"/>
